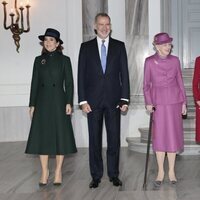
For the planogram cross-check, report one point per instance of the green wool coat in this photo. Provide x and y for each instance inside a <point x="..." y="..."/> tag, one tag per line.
<point x="51" y="130"/>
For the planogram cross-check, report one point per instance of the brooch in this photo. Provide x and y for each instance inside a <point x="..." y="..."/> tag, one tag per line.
<point x="43" y="61"/>
<point x="155" y="62"/>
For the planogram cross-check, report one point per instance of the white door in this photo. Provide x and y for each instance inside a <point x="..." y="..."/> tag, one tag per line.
<point x="185" y="28"/>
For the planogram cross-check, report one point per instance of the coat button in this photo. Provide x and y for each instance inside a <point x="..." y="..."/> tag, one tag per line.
<point x="42" y="84"/>
<point x="54" y="85"/>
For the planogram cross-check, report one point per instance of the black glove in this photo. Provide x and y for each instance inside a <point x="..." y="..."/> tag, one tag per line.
<point x="121" y="103"/>
<point x="184" y="116"/>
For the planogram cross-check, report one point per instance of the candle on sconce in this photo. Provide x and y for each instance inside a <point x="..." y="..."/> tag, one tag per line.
<point x="21" y="5"/>
<point x="17" y="19"/>
<point x="27" y="3"/>
<point x="12" y="11"/>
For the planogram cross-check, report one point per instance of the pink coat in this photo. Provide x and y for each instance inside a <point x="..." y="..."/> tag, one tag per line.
<point x="163" y="83"/>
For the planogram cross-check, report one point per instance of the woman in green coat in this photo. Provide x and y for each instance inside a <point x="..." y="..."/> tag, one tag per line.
<point x="51" y="101"/>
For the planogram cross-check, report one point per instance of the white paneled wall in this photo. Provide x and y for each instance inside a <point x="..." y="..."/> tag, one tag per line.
<point x="16" y="68"/>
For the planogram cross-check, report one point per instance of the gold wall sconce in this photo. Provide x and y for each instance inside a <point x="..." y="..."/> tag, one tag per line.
<point x="17" y="20"/>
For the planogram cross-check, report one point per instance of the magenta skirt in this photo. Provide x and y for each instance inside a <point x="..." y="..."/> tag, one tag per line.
<point x="167" y="134"/>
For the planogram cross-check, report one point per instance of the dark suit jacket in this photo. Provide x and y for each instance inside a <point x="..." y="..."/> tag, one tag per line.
<point x="93" y="84"/>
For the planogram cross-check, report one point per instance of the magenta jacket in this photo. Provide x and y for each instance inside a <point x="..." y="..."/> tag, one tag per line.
<point x="163" y="83"/>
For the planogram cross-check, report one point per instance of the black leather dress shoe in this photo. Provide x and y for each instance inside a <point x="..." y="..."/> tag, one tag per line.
<point x="94" y="183"/>
<point x="116" y="181"/>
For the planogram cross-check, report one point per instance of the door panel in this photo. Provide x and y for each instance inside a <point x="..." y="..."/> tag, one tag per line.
<point x="185" y="29"/>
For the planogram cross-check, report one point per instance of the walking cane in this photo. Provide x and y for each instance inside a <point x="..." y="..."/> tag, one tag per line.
<point x="148" y="148"/>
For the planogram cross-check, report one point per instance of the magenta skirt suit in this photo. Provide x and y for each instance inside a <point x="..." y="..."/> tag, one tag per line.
<point x="163" y="88"/>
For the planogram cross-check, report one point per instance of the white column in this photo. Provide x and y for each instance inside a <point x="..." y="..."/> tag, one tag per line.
<point x="74" y="36"/>
<point x="116" y="11"/>
<point x="154" y="21"/>
<point x="73" y="41"/>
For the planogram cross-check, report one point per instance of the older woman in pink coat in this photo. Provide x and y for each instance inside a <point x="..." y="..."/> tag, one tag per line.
<point x="163" y="89"/>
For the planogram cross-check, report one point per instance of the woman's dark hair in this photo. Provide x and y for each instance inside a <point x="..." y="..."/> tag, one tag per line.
<point x="59" y="48"/>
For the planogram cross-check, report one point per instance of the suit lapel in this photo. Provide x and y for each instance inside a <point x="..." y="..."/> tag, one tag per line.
<point x="110" y="53"/>
<point x="96" y="55"/>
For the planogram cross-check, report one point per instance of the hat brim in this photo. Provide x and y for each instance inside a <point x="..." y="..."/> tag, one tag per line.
<point x="169" y="40"/>
<point x="41" y="37"/>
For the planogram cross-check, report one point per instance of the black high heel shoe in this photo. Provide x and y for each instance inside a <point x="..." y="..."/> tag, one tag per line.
<point x="157" y="183"/>
<point x="173" y="182"/>
<point x="58" y="183"/>
<point x="41" y="184"/>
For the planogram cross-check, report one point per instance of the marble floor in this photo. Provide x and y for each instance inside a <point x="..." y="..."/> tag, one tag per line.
<point x="20" y="173"/>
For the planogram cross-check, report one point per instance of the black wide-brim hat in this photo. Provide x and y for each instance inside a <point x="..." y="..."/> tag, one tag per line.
<point x="52" y="33"/>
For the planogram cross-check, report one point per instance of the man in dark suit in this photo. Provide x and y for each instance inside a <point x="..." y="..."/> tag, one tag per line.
<point x="103" y="90"/>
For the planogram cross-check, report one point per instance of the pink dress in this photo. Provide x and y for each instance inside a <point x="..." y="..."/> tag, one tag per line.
<point x="163" y="88"/>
